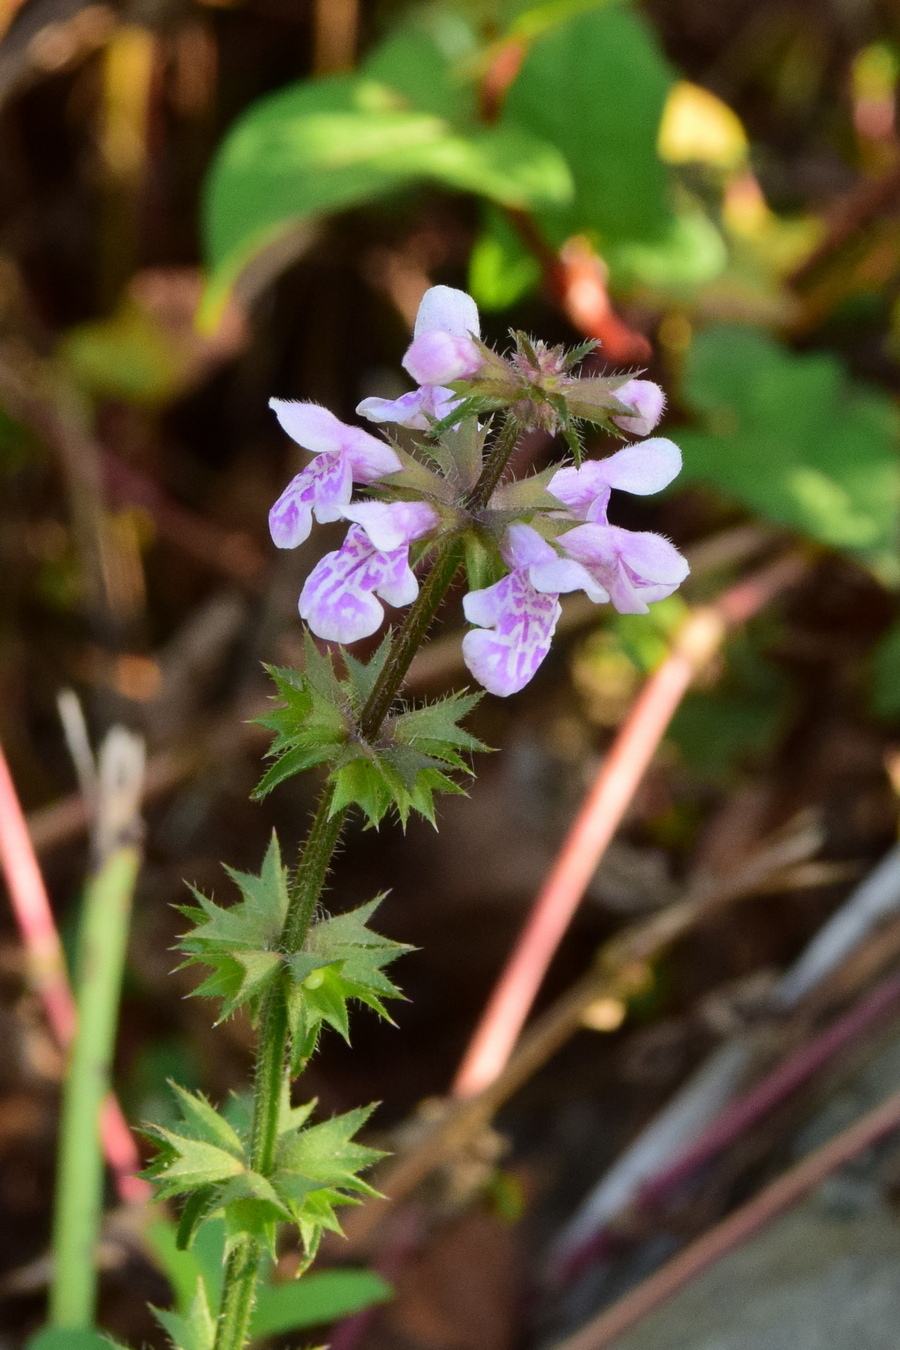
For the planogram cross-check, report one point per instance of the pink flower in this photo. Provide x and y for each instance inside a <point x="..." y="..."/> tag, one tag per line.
<point x="630" y="567"/>
<point x="517" y="616"/>
<point x="648" y="402"/>
<point x="642" y="469"/>
<point x="437" y="358"/>
<point x="339" y="600"/>
<point x="441" y="350"/>
<point x="343" y="456"/>
<point x="417" y="409"/>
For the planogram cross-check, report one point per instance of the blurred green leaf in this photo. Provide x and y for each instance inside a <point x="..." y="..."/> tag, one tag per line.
<point x="315" y="1299"/>
<point x="17" y="445"/>
<point x="690" y="252"/>
<point x="501" y="269"/>
<point x="127" y="355"/>
<point x="795" y="440"/>
<point x="321" y="147"/>
<point x="715" y="729"/>
<point x="595" y="88"/>
<point x="70" y="1338"/>
<point x="195" y="1327"/>
<point x="423" y="58"/>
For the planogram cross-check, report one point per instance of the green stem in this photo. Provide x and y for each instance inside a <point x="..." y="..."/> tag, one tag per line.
<point x="79" y="1187"/>
<point x="242" y="1270"/>
<point x="410" y="636"/>
<point x="239" y="1293"/>
<point x="494" y="465"/>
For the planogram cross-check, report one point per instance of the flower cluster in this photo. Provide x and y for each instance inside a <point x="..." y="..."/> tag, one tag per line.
<point x="547" y="535"/>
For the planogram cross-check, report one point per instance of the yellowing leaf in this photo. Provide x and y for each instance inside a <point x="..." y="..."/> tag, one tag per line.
<point x="698" y="128"/>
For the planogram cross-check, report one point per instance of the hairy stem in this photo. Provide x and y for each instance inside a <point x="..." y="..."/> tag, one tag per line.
<point x="494" y="465"/>
<point x="242" y="1270"/>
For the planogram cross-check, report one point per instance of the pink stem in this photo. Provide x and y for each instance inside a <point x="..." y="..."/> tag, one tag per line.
<point x="614" y="787"/>
<point x="47" y="968"/>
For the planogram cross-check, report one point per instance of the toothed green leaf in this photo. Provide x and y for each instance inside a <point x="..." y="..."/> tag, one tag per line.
<point x="194" y="1329"/>
<point x="184" y="1164"/>
<point x="240" y="942"/>
<point x="342" y="959"/>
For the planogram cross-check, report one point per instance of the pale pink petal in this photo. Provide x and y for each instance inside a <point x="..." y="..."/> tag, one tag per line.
<point x="369" y="458"/>
<point x="561" y="575"/>
<point x="581" y="489"/>
<point x="651" y="557"/>
<point x="644" y="468"/>
<point x="417" y="410"/>
<point x="332" y="485"/>
<point x="409" y="410"/>
<point x="333" y="601"/>
<point x="398" y="584"/>
<point x="290" y="519"/>
<point x="648" y="402"/>
<point x="391" y="525"/>
<point x="635" y="567"/>
<point x="313" y="427"/>
<point x="318" y="430"/>
<point x="485" y="607"/>
<point x="504" y="657"/>
<point x="522" y="546"/>
<point x="323" y="487"/>
<point x="338" y="601"/>
<point x="448" y="309"/>
<point x="436" y="357"/>
<point x="641" y="469"/>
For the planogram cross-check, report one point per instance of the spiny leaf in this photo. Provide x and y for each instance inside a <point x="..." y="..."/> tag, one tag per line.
<point x="183" y="1164"/>
<point x="361" y="783"/>
<point x="341" y="959"/>
<point x="193" y="1330"/>
<point x="438" y="724"/>
<point x="204" y="1122"/>
<point x="317" y="1169"/>
<point x="362" y="675"/>
<point x="240" y="942"/>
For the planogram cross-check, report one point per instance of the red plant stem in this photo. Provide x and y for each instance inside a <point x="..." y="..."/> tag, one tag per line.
<point x="735" y="1230"/>
<point x="47" y="970"/>
<point x="600" y="816"/>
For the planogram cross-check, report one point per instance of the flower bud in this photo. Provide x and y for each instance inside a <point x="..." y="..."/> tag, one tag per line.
<point x="647" y="400"/>
<point x="436" y="357"/>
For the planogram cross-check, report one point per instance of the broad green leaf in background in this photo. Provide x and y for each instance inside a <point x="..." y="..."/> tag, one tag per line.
<point x="596" y="88"/>
<point x="796" y="440"/>
<point x="717" y="729"/>
<point x="321" y="147"/>
<point x="501" y="268"/>
<point x="71" y="1338"/>
<point x="427" y="59"/>
<point x="321" y="1297"/>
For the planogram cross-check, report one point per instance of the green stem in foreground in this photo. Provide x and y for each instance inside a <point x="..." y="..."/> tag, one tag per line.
<point x="241" y="1272"/>
<point x="79" y="1186"/>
